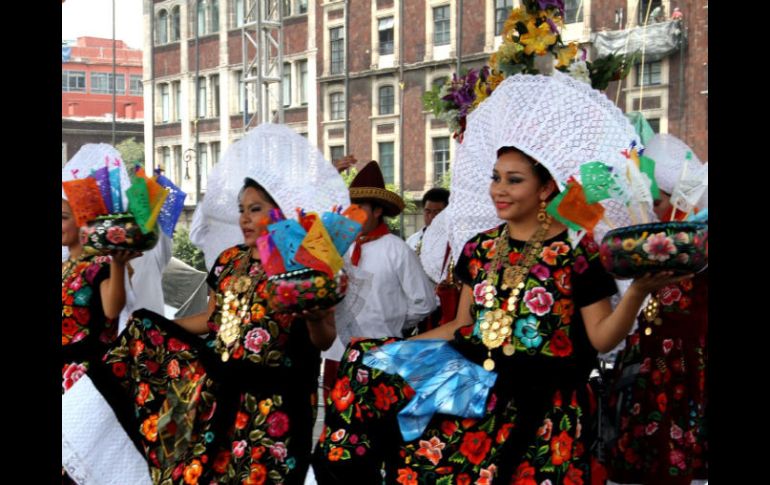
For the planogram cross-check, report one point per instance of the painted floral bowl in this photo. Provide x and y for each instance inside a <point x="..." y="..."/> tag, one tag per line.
<point x="681" y="247"/>
<point x="116" y="232"/>
<point x="305" y="289"/>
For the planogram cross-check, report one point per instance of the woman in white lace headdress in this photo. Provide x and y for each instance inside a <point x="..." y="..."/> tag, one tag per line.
<point x="533" y="310"/>
<point x="236" y="406"/>
<point x="660" y="384"/>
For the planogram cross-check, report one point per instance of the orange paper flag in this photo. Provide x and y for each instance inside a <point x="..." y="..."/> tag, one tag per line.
<point x="576" y="208"/>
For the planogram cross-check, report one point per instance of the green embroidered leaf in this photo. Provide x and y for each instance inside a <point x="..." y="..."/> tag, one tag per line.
<point x="251" y="403"/>
<point x="655" y="416"/>
<point x="447" y="480"/>
<point x="488" y="426"/>
<point x="565" y="423"/>
<point x="457" y="457"/>
<point x="199" y="449"/>
<point x="543" y="450"/>
<point x="155" y="475"/>
<point x="547" y="469"/>
<point x="346" y="414"/>
<point x="275" y="477"/>
<point x="256" y="435"/>
<point x="345" y="455"/>
<point x="277" y="400"/>
<point x="259" y="420"/>
<point x="273" y="356"/>
<point x="273" y="327"/>
<point x="267" y="442"/>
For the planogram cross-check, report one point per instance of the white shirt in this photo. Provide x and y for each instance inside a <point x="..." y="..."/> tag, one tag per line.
<point x="413" y="240"/>
<point x="388" y="292"/>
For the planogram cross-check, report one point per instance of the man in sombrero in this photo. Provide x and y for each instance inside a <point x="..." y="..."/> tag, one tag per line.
<point x="388" y="292"/>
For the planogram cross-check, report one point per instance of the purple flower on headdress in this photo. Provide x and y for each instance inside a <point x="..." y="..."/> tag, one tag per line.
<point x="544" y="4"/>
<point x="553" y="26"/>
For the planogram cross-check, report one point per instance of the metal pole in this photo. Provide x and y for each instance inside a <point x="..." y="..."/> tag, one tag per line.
<point x="459" y="35"/>
<point x="114" y="80"/>
<point x="347" y="78"/>
<point x="401" y="85"/>
<point x="197" y="101"/>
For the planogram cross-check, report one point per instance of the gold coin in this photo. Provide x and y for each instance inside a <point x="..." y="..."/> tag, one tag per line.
<point x="509" y="350"/>
<point x="492" y="336"/>
<point x="484" y="325"/>
<point x="489" y="304"/>
<point x="489" y="296"/>
<point x="505" y="331"/>
<point x="648" y="331"/>
<point x="515" y="292"/>
<point x="495" y="325"/>
<point x="489" y="365"/>
<point x="225" y="356"/>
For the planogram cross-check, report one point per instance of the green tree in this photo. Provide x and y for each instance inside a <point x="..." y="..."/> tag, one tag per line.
<point x="185" y="250"/>
<point x="131" y="151"/>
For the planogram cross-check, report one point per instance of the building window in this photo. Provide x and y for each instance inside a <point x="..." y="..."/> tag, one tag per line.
<point x="650" y="75"/>
<point x="286" y="84"/>
<point x="502" y="11"/>
<point x="337" y="50"/>
<point x="386" y="100"/>
<point x="165" y="105"/>
<point x="215" y="95"/>
<point x="303" y="82"/>
<point x="573" y="11"/>
<point x="439" y="81"/>
<point x="214" y="8"/>
<point x="654" y="124"/>
<point x="386" y="161"/>
<point x="73" y="81"/>
<point x="203" y="159"/>
<point x="440" y="158"/>
<point x="176" y="33"/>
<point x="241" y="86"/>
<point x="200" y="22"/>
<point x="162" y="31"/>
<point x="336" y="152"/>
<point x="214" y="153"/>
<point x="337" y="104"/>
<point x="654" y="6"/>
<point x="178" y="165"/>
<point x="301" y="6"/>
<point x="201" y="97"/>
<point x="101" y="83"/>
<point x="177" y="88"/>
<point x="441" y="25"/>
<point x="135" y="88"/>
<point x="166" y="157"/>
<point x="238" y="6"/>
<point x="286" y="8"/>
<point x="385" y="27"/>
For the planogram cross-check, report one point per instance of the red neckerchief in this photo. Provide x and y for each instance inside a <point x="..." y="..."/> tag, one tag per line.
<point x="373" y="235"/>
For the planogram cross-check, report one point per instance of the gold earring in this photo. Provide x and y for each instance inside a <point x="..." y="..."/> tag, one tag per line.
<point x="541" y="214"/>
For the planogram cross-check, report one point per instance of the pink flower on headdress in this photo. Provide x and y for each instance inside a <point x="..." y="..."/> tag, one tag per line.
<point x="287" y="293"/>
<point x="116" y="235"/>
<point x="659" y="246"/>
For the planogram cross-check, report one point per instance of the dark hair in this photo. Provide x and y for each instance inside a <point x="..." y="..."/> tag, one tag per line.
<point x="436" y="194"/>
<point x="542" y="173"/>
<point x="251" y="183"/>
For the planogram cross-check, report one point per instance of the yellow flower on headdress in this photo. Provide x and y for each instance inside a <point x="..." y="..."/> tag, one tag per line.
<point x="537" y="39"/>
<point x="566" y="55"/>
<point x="493" y="60"/>
<point x="517" y="15"/>
<point x="494" y="79"/>
<point x="481" y="92"/>
<point x="554" y="15"/>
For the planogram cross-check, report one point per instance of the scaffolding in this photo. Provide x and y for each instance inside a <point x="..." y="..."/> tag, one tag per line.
<point x="262" y="47"/>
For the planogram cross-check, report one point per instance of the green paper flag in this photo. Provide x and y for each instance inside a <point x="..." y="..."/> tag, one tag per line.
<point x="139" y="203"/>
<point x="598" y="182"/>
<point x="647" y="166"/>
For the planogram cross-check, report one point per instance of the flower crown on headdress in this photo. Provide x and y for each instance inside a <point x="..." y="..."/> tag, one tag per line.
<point x="532" y="44"/>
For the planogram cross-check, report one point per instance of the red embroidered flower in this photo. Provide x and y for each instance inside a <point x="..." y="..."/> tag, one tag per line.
<point x="221" y="461"/>
<point x="406" y="476"/>
<point x="116" y="235"/>
<point x="561" y="345"/>
<point x="574" y="476"/>
<point x="475" y="446"/>
<point x="525" y="475"/>
<point x="384" y="397"/>
<point x="448" y="428"/>
<point x="175" y="345"/>
<point x="561" y="448"/>
<point x="277" y="424"/>
<point x="342" y="395"/>
<point x="119" y="369"/>
<point x="503" y="433"/>
<point x="563" y="279"/>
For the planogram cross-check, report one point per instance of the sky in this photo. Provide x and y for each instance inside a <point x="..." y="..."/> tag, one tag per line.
<point x="94" y="18"/>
